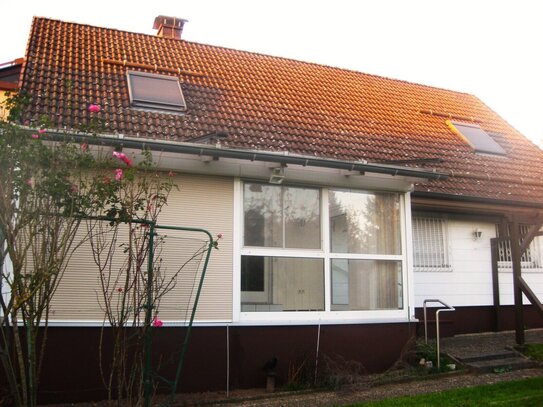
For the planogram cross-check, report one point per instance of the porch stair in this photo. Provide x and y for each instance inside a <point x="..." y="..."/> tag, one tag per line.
<point x="491" y="352"/>
<point x="498" y="362"/>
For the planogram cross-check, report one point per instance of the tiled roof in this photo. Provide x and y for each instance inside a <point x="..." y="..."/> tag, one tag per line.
<point x="270" y="103"/>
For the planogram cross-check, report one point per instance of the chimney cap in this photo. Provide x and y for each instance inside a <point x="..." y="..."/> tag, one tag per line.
<point x="168" y="21"/>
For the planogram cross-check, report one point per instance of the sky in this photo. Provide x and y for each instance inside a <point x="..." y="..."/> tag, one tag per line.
<point x="492" y="49"/>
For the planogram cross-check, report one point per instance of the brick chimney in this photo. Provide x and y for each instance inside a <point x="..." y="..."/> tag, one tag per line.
<point x="169" y="27"/>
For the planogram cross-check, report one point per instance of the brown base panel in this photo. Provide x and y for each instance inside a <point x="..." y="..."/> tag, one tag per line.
<point x="71" y="370"/>
<point x="465" y="320"/>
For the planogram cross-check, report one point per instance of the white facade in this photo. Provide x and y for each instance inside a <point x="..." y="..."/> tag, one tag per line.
<point x="468" y="279"/>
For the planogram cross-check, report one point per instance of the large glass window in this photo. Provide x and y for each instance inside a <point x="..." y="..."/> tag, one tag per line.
<point x="295" y="259"/>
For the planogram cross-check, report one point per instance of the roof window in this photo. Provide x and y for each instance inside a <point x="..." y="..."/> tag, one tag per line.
<point x="155" y="91"/>
<point x="477" y="138"/>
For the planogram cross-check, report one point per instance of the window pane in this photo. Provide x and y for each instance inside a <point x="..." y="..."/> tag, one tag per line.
<point x="159" y="91"/>
<point x="277" y="216"/>
<point x="363" y="222"/>
<point x="263" y="215"/>
<point x="479" y="139"/>
<point x="366" y="285"/>
<point x="289" y="284"/>
<point x="302" y="218"/>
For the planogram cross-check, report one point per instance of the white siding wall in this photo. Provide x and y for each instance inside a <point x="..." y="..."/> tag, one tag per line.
<point x="470" y="281"/>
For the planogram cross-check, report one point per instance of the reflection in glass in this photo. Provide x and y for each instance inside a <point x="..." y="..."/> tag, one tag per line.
<point x="289" y="284"/>
<point x="363" y="222"/>
<point x="302" y="218"/>
<point x="277" y="216"/>
<point x="366" y="285"/>
<point x="263" y="211"/>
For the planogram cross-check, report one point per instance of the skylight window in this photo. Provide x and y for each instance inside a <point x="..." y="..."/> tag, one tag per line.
<point x="155" y="91"/>
<point x="477" y="138"/>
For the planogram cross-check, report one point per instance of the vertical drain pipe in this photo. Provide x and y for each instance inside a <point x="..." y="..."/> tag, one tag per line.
<point x="227" y="360"/>
<point x="317" y="354"/>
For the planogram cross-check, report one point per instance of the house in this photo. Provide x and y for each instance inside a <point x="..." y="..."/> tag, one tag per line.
<point x="9" y="78"/>
<point x="345" y="200"/>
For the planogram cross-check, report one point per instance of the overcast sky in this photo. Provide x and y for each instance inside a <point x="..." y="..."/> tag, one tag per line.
<point x="490" y="48"/>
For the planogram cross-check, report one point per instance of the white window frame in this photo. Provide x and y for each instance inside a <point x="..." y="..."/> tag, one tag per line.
<point x="442" y="222"/>
<point x="326" y="316"/>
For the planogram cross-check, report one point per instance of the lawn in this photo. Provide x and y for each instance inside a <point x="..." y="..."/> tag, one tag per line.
<point x="527" y="392"/>
<point x="533" y="350"/>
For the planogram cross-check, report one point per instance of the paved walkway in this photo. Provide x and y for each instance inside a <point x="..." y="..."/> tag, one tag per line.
<point x="465" y="346"/>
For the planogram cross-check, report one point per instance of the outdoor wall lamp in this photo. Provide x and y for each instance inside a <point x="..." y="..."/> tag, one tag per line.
<point x="477" y="233"/>
<point x="277" y="175"/>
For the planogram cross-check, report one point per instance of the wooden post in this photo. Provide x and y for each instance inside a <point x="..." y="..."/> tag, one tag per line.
<point x="494" y="242"/>
<point x="517" y="289"/>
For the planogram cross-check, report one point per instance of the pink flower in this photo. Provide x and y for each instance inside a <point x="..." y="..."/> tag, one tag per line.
<point x="170" y="174"/>
<point x="118" y="174"/>
<point x="35" y="136"/>
<point x="157" y="323"/>
<point x="94" y="108"/>
<point x="123" y="157"/>
<point x="30" y="182"/>
<point x="74" y="188"/>
<point x="84" y="147"/>
<point x="219" y="236"/>
<point x="41" y="131"/>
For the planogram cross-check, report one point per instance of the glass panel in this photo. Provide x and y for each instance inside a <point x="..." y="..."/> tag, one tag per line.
<point x="148" y="89"/>
<point x="366" y="285"/>
<point x="263" y="215"/>
<point x="363" y="222"/>
<point x="302" y="218"/>
<point x="290" y="284"/>
<point x="269" y="208"/>
<point x="480" y="140"/>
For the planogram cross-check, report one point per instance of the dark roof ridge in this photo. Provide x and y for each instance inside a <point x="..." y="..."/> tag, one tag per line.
<point x="260" y="54"/>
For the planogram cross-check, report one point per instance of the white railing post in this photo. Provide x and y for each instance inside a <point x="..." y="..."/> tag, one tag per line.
<point x="447" y="308"/>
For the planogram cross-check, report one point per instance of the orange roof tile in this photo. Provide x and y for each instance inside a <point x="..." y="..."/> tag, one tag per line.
<point x="275" y="104"/>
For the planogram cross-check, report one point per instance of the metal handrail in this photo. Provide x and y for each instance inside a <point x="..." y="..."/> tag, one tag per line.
<point x="448" y="308"/>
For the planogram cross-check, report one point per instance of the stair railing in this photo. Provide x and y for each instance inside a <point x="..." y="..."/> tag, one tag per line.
<point x="447" y="308"/>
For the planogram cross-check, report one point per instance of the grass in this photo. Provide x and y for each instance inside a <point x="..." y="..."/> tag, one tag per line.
<point x="527" y="392"/>
<point x="533" y="350"/>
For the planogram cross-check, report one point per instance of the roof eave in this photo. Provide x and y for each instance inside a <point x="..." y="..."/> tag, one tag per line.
<point x="245" y="154"/>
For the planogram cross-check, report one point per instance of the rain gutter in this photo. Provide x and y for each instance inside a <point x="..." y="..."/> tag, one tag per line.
<point x="283" y="158"/>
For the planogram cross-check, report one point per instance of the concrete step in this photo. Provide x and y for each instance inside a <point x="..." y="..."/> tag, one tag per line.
<point x="505" y="364"/>
<point x="494" y="356"/>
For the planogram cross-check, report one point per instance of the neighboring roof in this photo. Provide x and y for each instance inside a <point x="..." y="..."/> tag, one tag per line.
<point x="275" y="104"/>
<point x="9" y="74"/>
